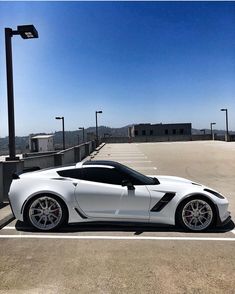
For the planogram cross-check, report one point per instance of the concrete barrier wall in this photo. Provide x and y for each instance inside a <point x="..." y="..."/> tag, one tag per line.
<point x="82" y="152"/>
<point x="8" y="168"/>
<point x="232" y="138"/>
<point x="90" y="148"/>
<point x="201" y="137"/>
<point x="40" y="161"/>
<point x="146" y="139"/>
<point x="33" y="154"/>
<point x="219" y="137"/>
<point x="68" y="156"/>
<point x="75" y="154"/>
<point x="71" y="155"/>
<point x="156" y="139"/>
<point x="1" y="182"/>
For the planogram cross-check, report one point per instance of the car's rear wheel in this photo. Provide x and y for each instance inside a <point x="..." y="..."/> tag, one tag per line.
<point x="196" y="214"/>
<point x="46" y="212"/>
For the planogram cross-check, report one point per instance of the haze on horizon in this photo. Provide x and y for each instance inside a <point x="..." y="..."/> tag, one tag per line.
<point x="138" y="62"/>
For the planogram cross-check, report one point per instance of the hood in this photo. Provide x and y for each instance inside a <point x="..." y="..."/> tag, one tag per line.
<point x="172" y="179"/>
<point x="174" y="182"/>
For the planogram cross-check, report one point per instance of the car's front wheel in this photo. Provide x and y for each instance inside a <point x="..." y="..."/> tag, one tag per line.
<point x="196" y="214"/>
<point x="46" y="212"/>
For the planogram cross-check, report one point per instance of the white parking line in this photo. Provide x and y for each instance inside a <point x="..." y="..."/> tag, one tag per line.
<point x="9" y="228"/>
<point x="233" y="231"/>
<point x="121" y="156"/>
<point x="137" y="161"/>
<point x="115" y="238"/>
<point x="123" y="153"/>
<point x="143" y="167"/>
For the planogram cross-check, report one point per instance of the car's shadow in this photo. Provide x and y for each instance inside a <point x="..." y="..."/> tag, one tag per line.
<point x="136" y="229"/>
<point x="4" y="204"/>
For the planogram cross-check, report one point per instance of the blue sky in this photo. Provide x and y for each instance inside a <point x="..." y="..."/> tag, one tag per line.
<point x="137" y="61"/>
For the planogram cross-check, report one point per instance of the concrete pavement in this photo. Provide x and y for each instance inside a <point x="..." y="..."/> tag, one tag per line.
<point x="6" y="215"/>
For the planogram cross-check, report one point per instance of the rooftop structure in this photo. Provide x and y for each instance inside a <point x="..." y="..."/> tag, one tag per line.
<point x="160" y="129"/>
<point x="41" y="143"/>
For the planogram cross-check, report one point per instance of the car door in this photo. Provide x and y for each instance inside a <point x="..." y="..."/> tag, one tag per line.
<point x="100" y="195"/>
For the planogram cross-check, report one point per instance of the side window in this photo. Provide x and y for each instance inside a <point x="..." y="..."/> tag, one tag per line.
<point x="102" y="175"/>
<point x="75" y="173"/>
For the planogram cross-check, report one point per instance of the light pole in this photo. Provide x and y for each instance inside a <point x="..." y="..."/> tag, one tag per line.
<point x="212" y="130"/>
<point x="83" y="134"/>
<point x="226" y="113"/>
<point x="96" y="126"/>
<point x="26" y="32"/>
<point x="58" y="117"/>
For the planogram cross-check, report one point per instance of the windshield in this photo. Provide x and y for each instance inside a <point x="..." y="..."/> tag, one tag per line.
<point x="139" y="179"/>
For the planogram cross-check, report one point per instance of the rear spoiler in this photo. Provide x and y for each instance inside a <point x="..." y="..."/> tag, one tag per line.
<point x="16" y="175"/>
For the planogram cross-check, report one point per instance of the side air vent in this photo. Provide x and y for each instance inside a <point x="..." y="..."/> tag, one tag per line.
<point x="214" y="193"/>
<point x="80" y="213"/>
<point x="196" y="184"/>
<point x="163" y="202"/>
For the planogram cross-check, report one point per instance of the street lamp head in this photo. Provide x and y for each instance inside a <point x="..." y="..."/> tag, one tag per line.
<point x="100" y="111"/>
<point x="223" y="109"/>
<point x="58" y="117"/>
<point x="81" y="128"/>
<point x="27" y="31"/>
<point x="213" y="123"/>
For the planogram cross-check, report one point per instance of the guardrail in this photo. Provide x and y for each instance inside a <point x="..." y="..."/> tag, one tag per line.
<point x="71" y="155"/>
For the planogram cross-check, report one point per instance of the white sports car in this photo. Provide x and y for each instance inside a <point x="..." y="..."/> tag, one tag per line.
<point x="109" y="191"/>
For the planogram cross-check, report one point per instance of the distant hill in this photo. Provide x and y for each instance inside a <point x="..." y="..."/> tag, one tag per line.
<point x="73" y="137"/>
<point x="21" y="144"/>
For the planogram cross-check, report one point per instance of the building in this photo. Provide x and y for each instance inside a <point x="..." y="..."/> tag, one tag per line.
<point x="41" y="143"/>
<point x="161" y="129"/>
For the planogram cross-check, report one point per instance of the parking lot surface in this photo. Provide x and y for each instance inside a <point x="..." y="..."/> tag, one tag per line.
<point x="104" y="258"/>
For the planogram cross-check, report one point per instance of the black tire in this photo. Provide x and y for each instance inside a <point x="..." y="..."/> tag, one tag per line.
<point x="196" y="214"/>
<point x="52" y="212"/>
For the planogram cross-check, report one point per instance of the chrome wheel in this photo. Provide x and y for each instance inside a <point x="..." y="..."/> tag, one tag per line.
<point x="197" y="215"/>
<point x="45" y="213"/>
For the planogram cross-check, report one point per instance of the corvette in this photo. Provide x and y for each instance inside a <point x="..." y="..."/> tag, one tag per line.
<point x="108" y="191"/>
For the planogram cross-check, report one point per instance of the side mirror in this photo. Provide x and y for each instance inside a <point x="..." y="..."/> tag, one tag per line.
<point x="128" y="184"/>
